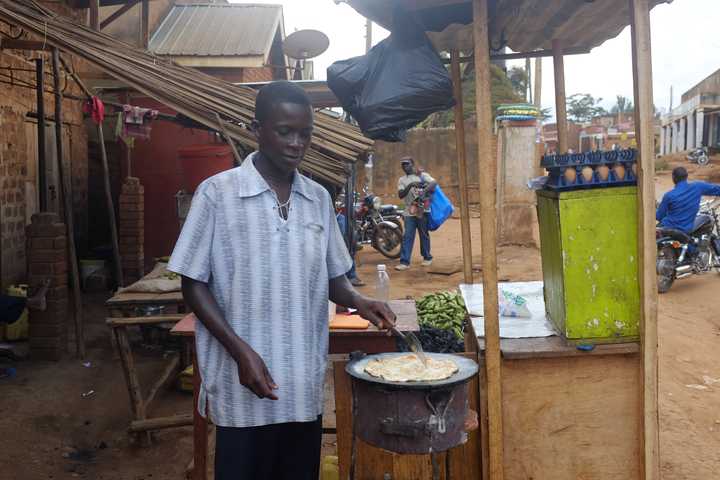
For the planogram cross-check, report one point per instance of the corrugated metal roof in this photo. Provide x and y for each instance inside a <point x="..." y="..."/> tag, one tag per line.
<point x="217" y="30"/>
<point x="523" y="25"/>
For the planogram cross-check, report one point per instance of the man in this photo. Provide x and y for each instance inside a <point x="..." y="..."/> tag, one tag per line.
<point x="415" y="189"/>
<point x="260" y="254"/>
<point x="680" y="206"/>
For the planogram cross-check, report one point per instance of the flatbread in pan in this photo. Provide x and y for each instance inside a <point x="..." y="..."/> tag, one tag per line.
<point x="409" y="368"/>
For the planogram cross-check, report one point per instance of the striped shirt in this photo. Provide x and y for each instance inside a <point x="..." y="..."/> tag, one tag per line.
<point x="270" y="278"/>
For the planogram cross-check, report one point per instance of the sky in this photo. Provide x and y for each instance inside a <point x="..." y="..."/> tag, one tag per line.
<point x="686" y="49"/>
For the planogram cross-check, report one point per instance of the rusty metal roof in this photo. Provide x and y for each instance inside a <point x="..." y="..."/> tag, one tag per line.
<point x="522" y="25"/>
<point x="217" y="30"/>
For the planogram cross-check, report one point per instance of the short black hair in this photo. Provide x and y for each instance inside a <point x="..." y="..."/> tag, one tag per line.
<point x="279" y="92"/>
<point x="679" y="174"/>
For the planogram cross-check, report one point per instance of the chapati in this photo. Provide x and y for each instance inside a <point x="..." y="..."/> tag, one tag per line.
<point x="409" y="368"/>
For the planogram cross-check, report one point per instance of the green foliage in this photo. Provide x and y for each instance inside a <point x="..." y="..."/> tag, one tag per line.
<point x="622" y="105"/>
<point x="501" y="91"/>
<point x="519" y="80"/>
<point x="582" y="107"/>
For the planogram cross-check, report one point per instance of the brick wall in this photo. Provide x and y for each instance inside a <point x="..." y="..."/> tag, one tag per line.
<point x="132" y="230"/>
<point x="18" y="168"/>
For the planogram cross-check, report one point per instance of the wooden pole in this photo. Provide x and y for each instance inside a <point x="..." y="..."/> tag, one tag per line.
<point x="537" y="97"/>
<point x="642" y="83"/>
<point x="145" y="24"/>
<point x="95" y="14"/>
<point x="560" y="100"/>
<point x="488" y="219"/>
<point x="110" y="207"/>
<point x="66" y="193"/>
<point x="528" y="86"/>
<point x="462" y="167"/>
<point x="42" y="167"/>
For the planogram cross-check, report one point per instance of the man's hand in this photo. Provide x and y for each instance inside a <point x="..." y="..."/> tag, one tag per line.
<point x="254" y="375"/>
<point x="377" y="312"/>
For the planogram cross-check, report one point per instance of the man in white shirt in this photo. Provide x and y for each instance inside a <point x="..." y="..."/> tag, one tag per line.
<point x="415" y="188"/>
<point x="260" y="254"/>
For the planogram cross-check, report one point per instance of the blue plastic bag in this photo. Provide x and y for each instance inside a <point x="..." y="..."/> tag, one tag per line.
<point x="440" y="209"/>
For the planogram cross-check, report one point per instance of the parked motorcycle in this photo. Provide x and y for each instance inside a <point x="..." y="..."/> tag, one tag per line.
<point x="376" y="224"/>
<point x="699" y="156"/>
<point x="680" y="255"/>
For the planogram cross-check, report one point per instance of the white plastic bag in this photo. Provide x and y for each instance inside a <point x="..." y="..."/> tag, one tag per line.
<point x="512" y="305"/>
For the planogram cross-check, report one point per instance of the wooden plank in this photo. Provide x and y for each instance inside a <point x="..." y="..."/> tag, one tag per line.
<point x="166" y="377"/>
<point x="200" y="428"/>
<point x="570" y="418"/>
<point x="10" y="44"/>
<point x="151" y="320"/>
<point x="642" y="83"/>
<point x="555" y="347"/>
<point x="462" y="168"/>
<point x="145" y="24"/>
<point x="161" y="422"/>
<point x="118" y="13"/>
<point x="94" y="14"/>
<point x="131" y="299"/>
<point x="537" y="97"/>
<point x="560" y="97"/>
<point x="131" y="379"/>
<point x="343" y="416"/>
<point x="488" y="218"/>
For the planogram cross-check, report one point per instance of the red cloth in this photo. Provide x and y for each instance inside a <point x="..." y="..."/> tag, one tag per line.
<point x="95" y="108"/>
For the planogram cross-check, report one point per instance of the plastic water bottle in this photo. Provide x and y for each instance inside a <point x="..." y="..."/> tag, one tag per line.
<point x="382" y="285"/>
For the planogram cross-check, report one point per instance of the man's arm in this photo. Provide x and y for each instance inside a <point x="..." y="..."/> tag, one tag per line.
<point x="662" y="210"/>
<point x="709" y="189"/>
<point x="378" y="313"/>
<point x="431" y="184"/>
<point x="252" y="370"/>
<point x="403" y="192"/>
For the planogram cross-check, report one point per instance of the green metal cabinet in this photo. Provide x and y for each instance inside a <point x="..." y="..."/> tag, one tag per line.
<point x="589" y="249"/>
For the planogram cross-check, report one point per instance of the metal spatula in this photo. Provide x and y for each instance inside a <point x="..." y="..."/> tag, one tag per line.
<point x="412" y="342"/>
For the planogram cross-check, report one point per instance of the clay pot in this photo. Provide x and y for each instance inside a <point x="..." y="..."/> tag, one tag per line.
<point x="619" y="170"/>
<point x="570" y="175"/>
<point x="603" y="172"/>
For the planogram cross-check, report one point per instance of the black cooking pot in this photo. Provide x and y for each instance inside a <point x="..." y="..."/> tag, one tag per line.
<point x="411" y="417"/>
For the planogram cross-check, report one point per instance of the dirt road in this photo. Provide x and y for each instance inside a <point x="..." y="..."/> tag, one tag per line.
<point x="50" y="431"/>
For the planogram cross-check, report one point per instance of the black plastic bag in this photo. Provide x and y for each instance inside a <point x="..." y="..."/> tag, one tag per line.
<point x="397" y="85"/>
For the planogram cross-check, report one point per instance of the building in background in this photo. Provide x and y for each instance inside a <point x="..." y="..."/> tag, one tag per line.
<point x="696" y="121"/>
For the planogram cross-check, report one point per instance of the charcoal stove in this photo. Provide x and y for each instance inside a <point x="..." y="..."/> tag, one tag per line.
<point x="410" y="417"/>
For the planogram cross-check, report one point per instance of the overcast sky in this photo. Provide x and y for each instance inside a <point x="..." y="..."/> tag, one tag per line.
<point x="686" y="48"/>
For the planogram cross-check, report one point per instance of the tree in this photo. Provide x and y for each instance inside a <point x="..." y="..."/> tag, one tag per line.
<point x="519" y="79"/>
<point x="582" y="107"/>
<point x="622" y="105"/>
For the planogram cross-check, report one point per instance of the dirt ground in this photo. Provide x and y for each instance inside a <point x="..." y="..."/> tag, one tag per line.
<point x="51" y="431"/>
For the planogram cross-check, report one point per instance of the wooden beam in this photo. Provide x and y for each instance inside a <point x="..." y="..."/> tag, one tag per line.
<point x="95" y="14"/>
<point x="161" y="422"/>
<point x="110" y="207"/>
<point x="40" y="99"/>
<point x="487" y="172"/>
<point x="145" y="24"/>
<point x="560" y="99"/>
<point x="65" y="174"/>
<point x="642" y="84"/>
<point x="9" y="44"/>
<point x="537" y="97"/>
<point x="524" y="55"/>
<point x="168" y="375"/>
<point x="118" y="13"/>
<point x="462" y="168"/>
<point x="151" y="320"/>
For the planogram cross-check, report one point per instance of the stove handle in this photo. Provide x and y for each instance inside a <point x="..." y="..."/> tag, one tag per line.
<point x="388" y="426"/>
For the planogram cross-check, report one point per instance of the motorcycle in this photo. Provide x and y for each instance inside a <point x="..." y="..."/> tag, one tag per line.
<point x="681" y="255"/>
<point x="377" y="224"/>
<point x="699" y="156"/>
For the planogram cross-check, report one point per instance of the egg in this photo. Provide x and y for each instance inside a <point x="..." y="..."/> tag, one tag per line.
<point x="603" y="172"/>
<point x="619" y="170"/>
<point x="570" y="175"/>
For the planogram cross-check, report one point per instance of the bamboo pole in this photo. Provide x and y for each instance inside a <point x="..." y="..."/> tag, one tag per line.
<point x="42" y="165"/>
<point x="488" y="220"/>
<point x="462" y="167"/>
<point x="66" y="194"/>
<point x="642" y="84"/>
<point x="538" y="82"/>
<point x="560" y="99"/>
<point x="110" y="207"/>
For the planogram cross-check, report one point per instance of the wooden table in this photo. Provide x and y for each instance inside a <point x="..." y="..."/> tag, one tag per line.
<point x="373" y="340"/>
<point x="123" y="310"/>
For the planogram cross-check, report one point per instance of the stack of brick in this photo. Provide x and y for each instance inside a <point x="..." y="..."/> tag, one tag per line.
<point x="132" y="230"/>
<point x="47" y="260"/>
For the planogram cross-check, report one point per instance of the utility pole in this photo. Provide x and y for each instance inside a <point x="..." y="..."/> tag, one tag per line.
<point x="368" y="35"/>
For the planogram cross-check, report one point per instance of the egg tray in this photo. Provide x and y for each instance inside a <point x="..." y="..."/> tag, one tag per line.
<point x="599" y="169"/>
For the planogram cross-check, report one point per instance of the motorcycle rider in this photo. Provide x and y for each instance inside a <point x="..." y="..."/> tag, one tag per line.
<point x="414" y="188"/>
<point x="680" y="206"/>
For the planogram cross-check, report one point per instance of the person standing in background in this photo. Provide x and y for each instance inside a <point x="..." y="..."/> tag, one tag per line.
<point x="415" y="189"/>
